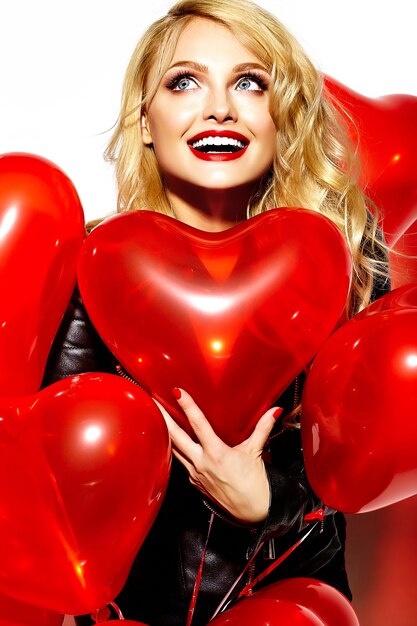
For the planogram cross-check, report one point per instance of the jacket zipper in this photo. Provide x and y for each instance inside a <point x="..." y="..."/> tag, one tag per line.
<point x="251" y="570"/>
<point x="227" y="519"/>
<point x="123" y="374"/>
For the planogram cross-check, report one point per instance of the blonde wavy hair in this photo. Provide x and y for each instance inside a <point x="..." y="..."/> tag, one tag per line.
<point x="314" y="165"/>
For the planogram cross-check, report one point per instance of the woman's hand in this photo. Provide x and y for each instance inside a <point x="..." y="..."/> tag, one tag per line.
<point x="235" y="478"/>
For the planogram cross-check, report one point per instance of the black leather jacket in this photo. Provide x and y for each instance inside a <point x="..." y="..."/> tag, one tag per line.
<point x="161" y="581"/>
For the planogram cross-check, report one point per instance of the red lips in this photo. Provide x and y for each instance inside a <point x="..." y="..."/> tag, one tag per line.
<point x="219" y="156"/>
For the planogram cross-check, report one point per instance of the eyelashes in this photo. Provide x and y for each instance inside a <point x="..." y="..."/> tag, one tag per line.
<point x="255" y="77"/>
<point x="174" y="81"/>
<point x="177" y="78"/>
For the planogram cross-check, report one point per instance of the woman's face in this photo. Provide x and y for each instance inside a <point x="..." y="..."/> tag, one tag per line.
<point x="209" y="121"/>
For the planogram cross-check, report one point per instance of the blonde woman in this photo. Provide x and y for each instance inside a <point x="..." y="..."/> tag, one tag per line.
<point x="223" y="117"/>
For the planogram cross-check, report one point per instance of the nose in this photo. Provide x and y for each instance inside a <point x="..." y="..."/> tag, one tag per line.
<point x="219" y="106"/>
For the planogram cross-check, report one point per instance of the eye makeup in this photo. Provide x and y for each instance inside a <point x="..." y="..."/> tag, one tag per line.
<point x="173" y="81"/>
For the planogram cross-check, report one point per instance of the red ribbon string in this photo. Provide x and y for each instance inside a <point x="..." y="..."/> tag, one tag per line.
<point x="198" y="577"/>
<point x="247" y="590"/>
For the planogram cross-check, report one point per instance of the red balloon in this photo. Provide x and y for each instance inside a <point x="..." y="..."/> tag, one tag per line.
<point x="403" y="259"/>
<point x="15" y="613"/>
<point x="232" y="317"/>
<point x="41" y="232"/>
<point x="85" y="464"/>
<point x="296" y="602"/>
<point x="359" y="420"/>
<point x="39" y="621"/>
<point x="385" y="131"/>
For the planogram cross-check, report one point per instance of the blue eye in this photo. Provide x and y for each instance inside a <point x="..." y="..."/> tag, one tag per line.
<point x="251" y="82"/>
<point x="247" y="84"/>
<point x="182" y="82"/>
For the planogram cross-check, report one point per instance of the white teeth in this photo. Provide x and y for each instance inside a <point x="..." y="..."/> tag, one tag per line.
<point x="218" y="141"/>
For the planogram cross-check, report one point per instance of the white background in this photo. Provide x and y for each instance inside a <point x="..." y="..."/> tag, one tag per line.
<point x="62" y="65"/>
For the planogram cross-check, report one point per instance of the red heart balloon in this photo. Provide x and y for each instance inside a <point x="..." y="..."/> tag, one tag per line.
<point x="359" y="423"/>
<point x="403" y="262"/>
<point x="385" y="130"/>
<point x="296" y="601"/>
<point x="38" y="622"/>
<point x="85" y="465"/>
<point x="41" y="232"/>
<point x="15" y="613"/>
<point x="35" y="621"/>
<point x="232" y="317"/>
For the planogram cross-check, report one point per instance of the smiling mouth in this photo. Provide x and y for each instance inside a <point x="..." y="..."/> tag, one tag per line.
<point x="218" y="145"/>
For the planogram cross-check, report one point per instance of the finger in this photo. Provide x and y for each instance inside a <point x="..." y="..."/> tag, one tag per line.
<point x="192" y="475"/>
<point x="180" y="439"/>
<point x="164" y="412"/>
<point x="263" y="429"/>
<point x="199" y="423"/>
<point x="183" y="459"/>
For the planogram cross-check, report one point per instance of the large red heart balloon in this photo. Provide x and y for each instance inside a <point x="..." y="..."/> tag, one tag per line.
<point x="385" y="131"/>
<point x="41" y="232"/>
<point x="84" y="466"/>
<point x="232" y="317"/>
<point x="359" y="421"/>
<point x="16" y="613"/>
<point x="296" y="602"/>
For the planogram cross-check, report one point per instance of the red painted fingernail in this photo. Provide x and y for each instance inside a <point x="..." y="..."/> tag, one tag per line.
<point x="315" y="516"/>
<point x="177" y="393"/>
<point x="277" y="413"/>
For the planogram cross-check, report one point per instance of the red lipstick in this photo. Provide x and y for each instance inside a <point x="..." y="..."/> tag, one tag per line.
<point x="221" y="154"/>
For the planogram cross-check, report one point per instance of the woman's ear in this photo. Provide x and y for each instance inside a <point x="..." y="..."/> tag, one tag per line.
<point x="146" y="133"/>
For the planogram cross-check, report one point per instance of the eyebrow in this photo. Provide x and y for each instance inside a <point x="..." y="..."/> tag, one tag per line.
<point x="199" y="67"/>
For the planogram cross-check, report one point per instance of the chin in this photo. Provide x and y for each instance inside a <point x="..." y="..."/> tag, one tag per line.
<point x="225" y="183"/>
<point x="188" y="188"/>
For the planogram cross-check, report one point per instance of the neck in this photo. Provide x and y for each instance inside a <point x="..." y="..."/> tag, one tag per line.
<point x="211" y="210"/>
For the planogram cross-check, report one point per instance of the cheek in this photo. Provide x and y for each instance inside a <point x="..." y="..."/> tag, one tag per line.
<point x="271" y="133"/>
<point x="169" y="120"/>
<point x="267" y="135"/>
<point x="268" y="127"/>
<point x="258" y="118"/>
<point x="265" y="122"/>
